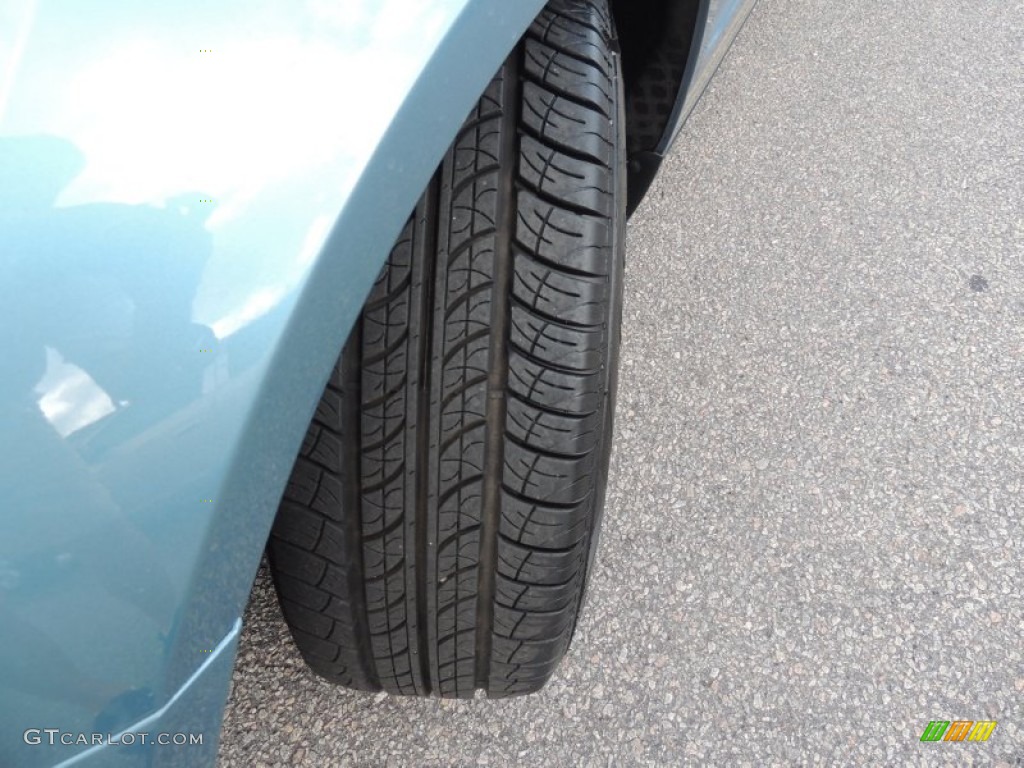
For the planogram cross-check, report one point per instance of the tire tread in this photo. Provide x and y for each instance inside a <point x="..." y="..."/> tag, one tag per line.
<point x="437" y="530"/>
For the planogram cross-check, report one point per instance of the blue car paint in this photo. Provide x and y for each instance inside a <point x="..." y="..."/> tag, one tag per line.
<point x="719" y="21"/>
<point x="194" y="202"/>
<point x="162" y="353"/>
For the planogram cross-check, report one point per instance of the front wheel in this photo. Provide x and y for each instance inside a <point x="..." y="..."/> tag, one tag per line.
<point x="440" y="522"/>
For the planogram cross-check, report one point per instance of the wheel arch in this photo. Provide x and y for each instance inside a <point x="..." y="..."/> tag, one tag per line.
<point x="660" y="40"/>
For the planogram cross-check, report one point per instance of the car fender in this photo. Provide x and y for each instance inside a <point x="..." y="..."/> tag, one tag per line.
<point x="194" y="202"/>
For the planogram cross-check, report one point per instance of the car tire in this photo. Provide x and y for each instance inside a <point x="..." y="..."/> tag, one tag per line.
<point x="440" y="522"/>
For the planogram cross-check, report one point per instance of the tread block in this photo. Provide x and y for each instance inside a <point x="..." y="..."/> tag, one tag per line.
<point x="557" y="433"/>
<point x="567" y="125"/>
<point x="570" y="180"/>
<point x="535" y="524"/>
<point x="556" y="344"/>
<point x="563" y="239"/>
<point x="554" y="390"/>
<point x="551" y="292"/>
<point x="569" y="76"/>
<point x="539" y="566"/>
<point x="552" y="479"/>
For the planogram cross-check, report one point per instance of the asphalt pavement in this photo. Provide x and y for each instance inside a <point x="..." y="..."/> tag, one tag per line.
<point x="815" y="523"/>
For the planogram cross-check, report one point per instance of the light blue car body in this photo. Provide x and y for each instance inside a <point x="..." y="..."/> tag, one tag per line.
<point x="195" y="198"/>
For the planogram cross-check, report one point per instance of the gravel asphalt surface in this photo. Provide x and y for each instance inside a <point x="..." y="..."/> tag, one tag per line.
<point x="815" y="522"/>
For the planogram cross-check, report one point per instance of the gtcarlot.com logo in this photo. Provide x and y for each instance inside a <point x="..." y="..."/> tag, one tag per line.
<point x="54" y="736"/>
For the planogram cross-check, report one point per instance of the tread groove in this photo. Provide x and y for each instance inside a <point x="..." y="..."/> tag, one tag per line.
<point x="423" y="517"/>
<point x="494" y="453"/>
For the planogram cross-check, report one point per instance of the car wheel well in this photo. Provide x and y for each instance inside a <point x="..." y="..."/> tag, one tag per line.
<point x="655" y="40"/>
